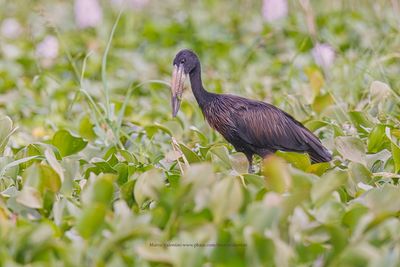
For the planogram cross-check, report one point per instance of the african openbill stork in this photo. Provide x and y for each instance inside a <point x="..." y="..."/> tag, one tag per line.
<point x="251" y="126"/>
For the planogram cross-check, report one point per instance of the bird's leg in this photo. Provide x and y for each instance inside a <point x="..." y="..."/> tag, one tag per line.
<point x="251" y="166"/>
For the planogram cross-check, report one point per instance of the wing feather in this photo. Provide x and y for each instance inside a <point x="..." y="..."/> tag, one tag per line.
<point x="265" y="126"/>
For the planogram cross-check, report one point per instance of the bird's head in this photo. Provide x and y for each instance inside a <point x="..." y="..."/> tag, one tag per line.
<point x="185" y="62"/>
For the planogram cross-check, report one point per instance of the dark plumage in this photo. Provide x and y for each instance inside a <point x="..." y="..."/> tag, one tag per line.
<point x="251" y="126"/>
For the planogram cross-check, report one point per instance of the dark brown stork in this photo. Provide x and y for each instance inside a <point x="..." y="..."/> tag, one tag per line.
<point x="251" y="126"/>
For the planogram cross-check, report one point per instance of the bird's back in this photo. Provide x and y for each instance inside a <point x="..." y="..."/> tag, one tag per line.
<point x="260" y="128"/>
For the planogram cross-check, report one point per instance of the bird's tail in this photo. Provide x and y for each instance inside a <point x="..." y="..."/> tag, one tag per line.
<point x="318" y="153"/>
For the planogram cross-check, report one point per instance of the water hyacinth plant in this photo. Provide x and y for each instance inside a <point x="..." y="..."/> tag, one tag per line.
<point x="95" y="171"/>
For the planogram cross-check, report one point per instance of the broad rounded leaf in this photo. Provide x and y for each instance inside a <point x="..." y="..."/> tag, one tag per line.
<point x="226" y="198"/>
<point x="328" y="183"/>
<point x="351" y="148"/>
<point x="276" y="173"/>
<point x="67" y="144"/>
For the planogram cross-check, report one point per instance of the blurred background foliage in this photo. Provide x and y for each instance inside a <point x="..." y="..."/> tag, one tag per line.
<point x="95" y="172"/>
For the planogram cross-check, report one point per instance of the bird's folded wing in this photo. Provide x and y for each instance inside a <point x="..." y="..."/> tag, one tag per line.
<point x="265" y="126"/>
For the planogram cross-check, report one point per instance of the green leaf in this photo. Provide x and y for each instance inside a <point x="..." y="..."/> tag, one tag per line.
<point x="298" y="160"/>
<point x="51" y="159"/>
<point x="42" y="177"/>
<point x="202" y="137"/>
<point x="67" y="144"/>
<point x="316" y="79"/>
<point x="383" y="200"/>
<point x="51" y="180"/>
<point x="319" y="168"/>
<point x="152" y="129"/>
<point x="189" y="154"/>
<point x="30" y="197"/>
<point x="86" y="128"/>
<point x="103" y="189"/>
<point x="148" y="186"/>
<point x="276" y="173"/>
<point x="328" y="183"/>
<point x="239" y="162"/>
<point x="351" y="148"/>
<point x="359" y="173"/>
<point x="91" y="220"/>
<point x="6" y="129"/>
<point x="219" y="154"/>
<point x="361" y="121"/>
<point x="321" y="102"/>
<point x="377" y="139"/>
<point x="226" y="198"/>
<point x="395" y="149"/>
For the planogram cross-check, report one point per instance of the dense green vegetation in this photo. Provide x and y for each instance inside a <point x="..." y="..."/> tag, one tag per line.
<point x="96" y="172"/>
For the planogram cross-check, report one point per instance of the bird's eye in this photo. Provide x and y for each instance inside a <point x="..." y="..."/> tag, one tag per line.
<point x="182" y="61"/>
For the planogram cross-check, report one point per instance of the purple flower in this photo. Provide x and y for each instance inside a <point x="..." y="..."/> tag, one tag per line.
<point x="10" y="28"/>
<point x="88" y="13"/>
<point x="274" y="9"/>
<point x="323" y="54"/>
<point x="47" y="50"/>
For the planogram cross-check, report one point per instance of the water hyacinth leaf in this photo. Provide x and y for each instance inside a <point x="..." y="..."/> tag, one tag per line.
<point x="42" y="177"/>
<point x="351" y="148"/>
<point x="226" y="198"/>
<point x="30" y="197"/>
<point x="321" y="102"/>
<point x="51" y="179"/>
<point x="359" y="173"/>
<point x="328" y="183"/>
<point x="395" y="149"/>
<point x="31" y="150"/>
<point x="256" y="180"/>
<point x="152" y="129"/>
<point x="103" y="189"/>
<point x="148" y="186"/>
<point x="353" y="216"/>
<point x="316" y="79"/>
<point x="199" y="175"/>
<point x="382" y="200"/>
<point x="202" y="138"/>
<point x="128" y="156"/>
<point x="239" y="162"/>
<point x="86" y="128"/>
<point x="126" y="192"/>
<point x="276" y="173"/>
<point x="396" y="156"/>
<point x="91" y="219"/>
<point x="102" y="166"/>
<point x="175" y="128"/>
<point x="377" y="139"/>
<point x="361" y="121"/>
<point x="330" y="212"/>
<point x="10" y="168"/>
<point x="319" y="168"/>
<point x="302" y="181"/>
<point x="51" y="159"/>
<point x="298" y="160"/>
<point x="219" y="153"/>
<point x="379" y="91"/>
<point x="189" y="154"/>
<point x="6" y="129"/>
<point x="67" y="144"/>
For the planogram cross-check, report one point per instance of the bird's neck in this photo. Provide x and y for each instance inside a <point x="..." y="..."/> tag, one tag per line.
<point x="199" y="92"/>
